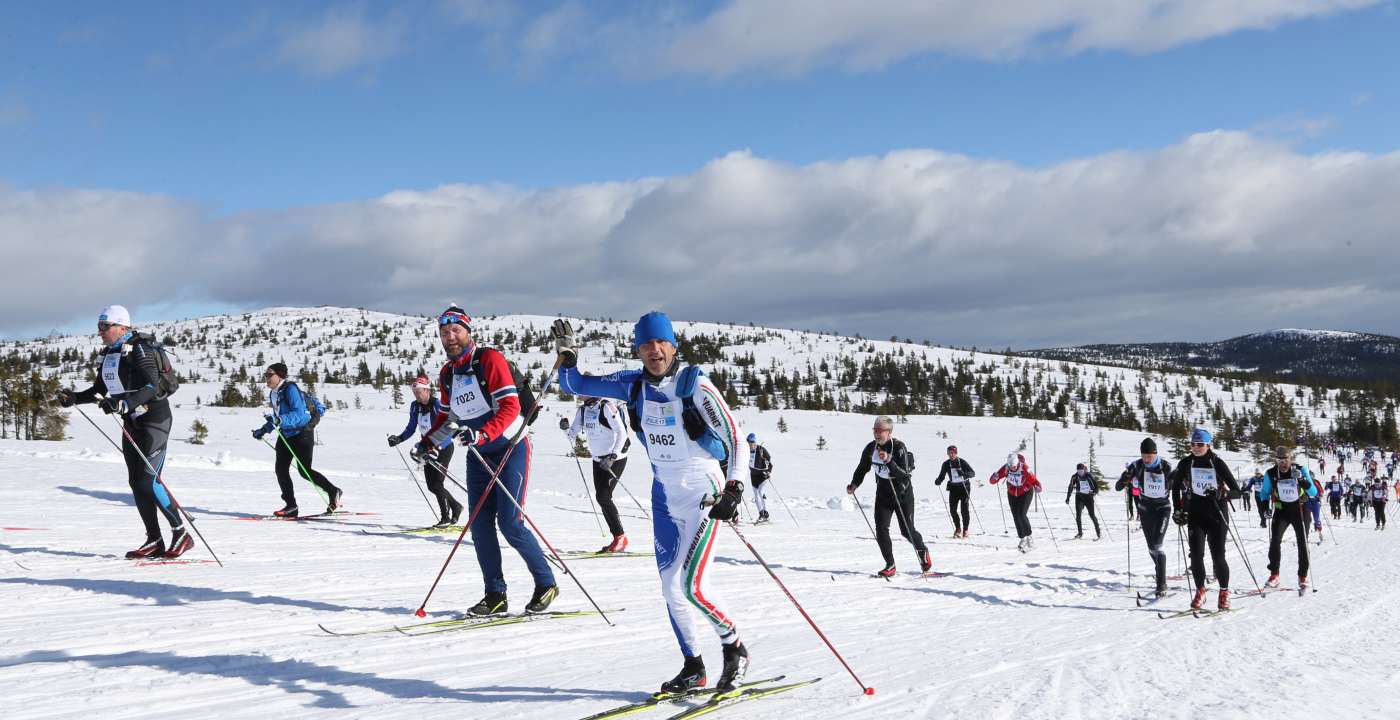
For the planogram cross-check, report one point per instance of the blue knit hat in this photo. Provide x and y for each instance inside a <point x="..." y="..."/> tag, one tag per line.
<point x="1200" y="435"/>
<point x="753" y="438"/>
<point x="654" y="325"/>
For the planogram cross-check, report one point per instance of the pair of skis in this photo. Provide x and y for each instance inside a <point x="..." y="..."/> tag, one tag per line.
<point x="714" y="700"/>
<point x="463" y="623"/>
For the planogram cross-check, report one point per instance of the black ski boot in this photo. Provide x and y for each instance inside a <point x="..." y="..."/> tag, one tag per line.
<point x="692" y="675"/>
<point x="493" y="604"/>
<point x="179" y="543"/>
<point x="154" y="547"/>
<point x="456" y="512"/>
<point x="736" y="664"/>
<point x="539" y="602"/>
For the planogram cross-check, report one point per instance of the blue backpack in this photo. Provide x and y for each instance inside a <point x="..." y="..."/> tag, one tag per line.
<point x="695" y="426"/>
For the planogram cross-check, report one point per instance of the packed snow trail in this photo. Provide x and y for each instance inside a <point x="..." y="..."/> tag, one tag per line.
<point x="1040" y="635"/>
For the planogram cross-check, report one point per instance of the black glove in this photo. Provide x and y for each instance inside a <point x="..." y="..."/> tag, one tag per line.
<point x="726" y="507"/>
<point x="606" y="462"/>
<point x="259" y="433"/>
<point x="564" y="424"/>
<point x="1179" y="516"/>
<point x="467" y="436"/>
<point x="111" y="405"/>
<point x="66" y="398"/>
<point x="1066" y="499"/>
<point x="694" y="424"/>
<point x="563" y="334"/>
<point x="423" y="452"/>
<point x="394" y="440"/>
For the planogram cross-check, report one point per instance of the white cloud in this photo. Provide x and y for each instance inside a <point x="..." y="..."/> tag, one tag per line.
<point x="343" y="38"/>
<point x="795" y="36"/>
<point x="1222" y="233"/>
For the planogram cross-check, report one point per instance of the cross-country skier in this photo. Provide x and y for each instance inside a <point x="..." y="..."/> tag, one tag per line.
<point x="760" y="470"/>
<point x="1202" y="485"/>
<point x="422" y="412"/>
<point x="481" y="399"/>
<point x="693" y="442"/>
<point x="1021" y="487"/>
<point x="1147" y="478"/>
<point x="1335" y="491"/>
<point x="1084" y="487"/>
<point x="894" y="491"/>
<point x="959" y="475"/>
<point x="128" y="379"/>
<point x="609" y="439"/>
<point x="292" y="419"/>
<point x="1380" y="495"/>
<point x="1287" y="485"/>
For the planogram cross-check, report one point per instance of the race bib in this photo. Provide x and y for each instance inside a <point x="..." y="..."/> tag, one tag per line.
<point x="1014" y="479"/>
<point x="1378" y="493"/>
<point x="468" y="398"/>
<point x="666" y="438"/>
<point x="1288" y="489"/>
<point x="425" y="419"/>
<point x="956" y="476"/>
<point x="1203" y="481"/>
<point x="1086" y="486"/>
<point x="1154" y="485"/>
<point x="110" y="377"/>
<point x="882" y="470"/>
<point x="590" y="416"/>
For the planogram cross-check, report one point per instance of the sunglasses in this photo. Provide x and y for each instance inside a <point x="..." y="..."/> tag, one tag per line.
<point x="105" y="326"/>
<point x="268" y="374"/>
<point x="453" y="317"/>
<point x="1198" y="444"/>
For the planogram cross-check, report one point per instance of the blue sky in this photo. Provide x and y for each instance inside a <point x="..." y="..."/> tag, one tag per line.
<point x="240" y="109"/>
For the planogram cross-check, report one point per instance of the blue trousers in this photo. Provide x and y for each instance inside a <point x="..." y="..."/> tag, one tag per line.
<point x="499" y="511"/>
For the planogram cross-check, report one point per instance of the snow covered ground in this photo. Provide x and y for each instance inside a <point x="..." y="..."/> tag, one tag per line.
<point x="1051" y="634"/>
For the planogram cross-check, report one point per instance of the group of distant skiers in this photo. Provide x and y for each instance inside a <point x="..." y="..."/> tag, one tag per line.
<point x="481" y="403"/>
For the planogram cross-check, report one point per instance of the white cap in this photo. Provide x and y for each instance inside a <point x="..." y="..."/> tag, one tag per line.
<point x="115" y="314"/>
<point x="1013" y="461"/>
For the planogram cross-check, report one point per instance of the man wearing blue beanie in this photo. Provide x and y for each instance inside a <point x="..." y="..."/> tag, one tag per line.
<point x="693" y="442"/>
<point x="1202" y="487"/>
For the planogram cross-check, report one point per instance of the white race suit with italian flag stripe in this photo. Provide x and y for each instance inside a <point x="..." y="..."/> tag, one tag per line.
<point x="683" y="474"/>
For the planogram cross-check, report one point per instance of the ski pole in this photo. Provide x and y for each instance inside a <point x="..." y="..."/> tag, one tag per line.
<point x="1128" y="540"/>
<point x="273" y="448"/>
<point x="864" y="688"/>
<point x="1046" y="513"/>
<point x="158" y="478"/>
<point x="513" y="501"/>
<point x="589" y="495"/>
<point x="975" y="514"/>
<point x="510" y="448"/>
<point x="784" y="502"/>
<point x="946" y="507"/>
<point x="1001" y="503"/>
<point x="416" y="484"/>
<point x="862" y="514"/>
<point x="1234" y="535"/>
<point x="1181" y="544"/>
<point x="1307" y="553"/>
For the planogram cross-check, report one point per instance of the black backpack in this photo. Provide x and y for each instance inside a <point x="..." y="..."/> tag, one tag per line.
<point x="168" y="382"/>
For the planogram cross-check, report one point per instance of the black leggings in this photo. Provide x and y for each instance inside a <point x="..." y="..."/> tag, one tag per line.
<point x="1081" y="503"/>
<point x="1379" y="507"/>
<point x="901" y="506"/>
<point x="146" y="488"/>
<point x="435" y="477"/>
<point x="958" y="502"/>
<point x="1284" y="517"/>
<point x="603" y="485"/>
<point x="1207" y="526"/>
<point x="1020" y="506"/>
<point x="1334" y="503"/>
<point x="304" y="443"/>
<point x="1155" y="521"/>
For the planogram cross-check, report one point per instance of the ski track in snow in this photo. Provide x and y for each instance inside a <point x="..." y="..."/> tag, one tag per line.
<point x="1042" y="635"/>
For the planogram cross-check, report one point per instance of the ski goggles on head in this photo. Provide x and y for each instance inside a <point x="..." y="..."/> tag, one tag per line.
<point x="452" y="317"/>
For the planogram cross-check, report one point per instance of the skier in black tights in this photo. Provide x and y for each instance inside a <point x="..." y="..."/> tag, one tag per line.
<point x="959" y="475"/>
<point x="1084" y="487"/>
<point x="1201" y="486"/>
<point x="1147" y="480"/>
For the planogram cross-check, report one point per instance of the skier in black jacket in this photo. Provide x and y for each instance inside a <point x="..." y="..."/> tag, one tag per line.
<point x="894" y="492"/>
<point x="1083" y="486"/>
<point x="1147" y="481"/>
<point x="1201" y="487"/>
<point x="959" y="475"/>
<point x="760" y="470"/>
<point x="128" y="381"/>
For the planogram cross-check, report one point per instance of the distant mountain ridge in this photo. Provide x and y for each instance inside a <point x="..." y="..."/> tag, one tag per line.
<point x="1293" y="354"/>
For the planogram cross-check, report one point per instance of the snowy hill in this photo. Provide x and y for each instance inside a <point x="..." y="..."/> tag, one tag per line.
<point x="1054" y="633"/>
<point x="1305" y="356"/>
